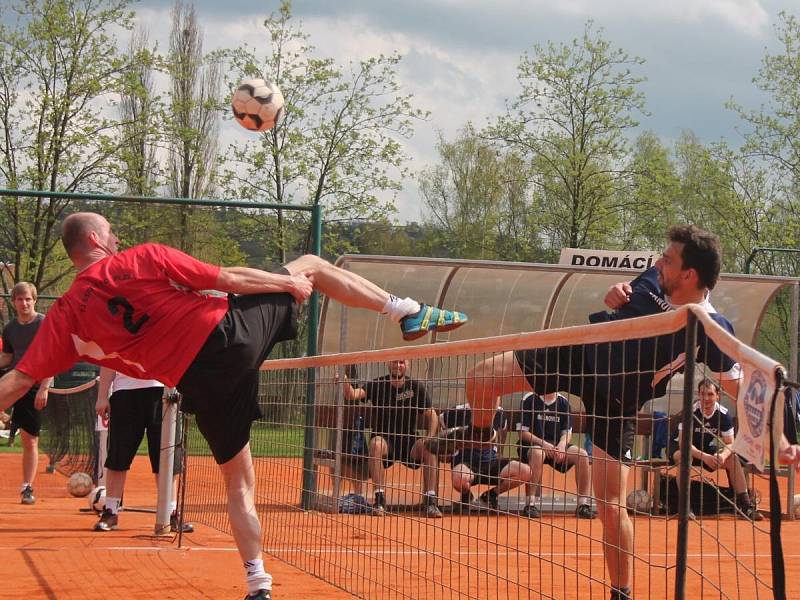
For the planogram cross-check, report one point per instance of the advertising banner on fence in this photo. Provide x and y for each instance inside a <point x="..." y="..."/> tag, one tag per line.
<point x="608" y="259"/>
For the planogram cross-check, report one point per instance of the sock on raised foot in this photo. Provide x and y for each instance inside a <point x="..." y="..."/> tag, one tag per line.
<point x="397" y="308"/>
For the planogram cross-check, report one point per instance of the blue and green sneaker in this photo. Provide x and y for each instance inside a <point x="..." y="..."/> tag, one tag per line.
<point x="430" y="318"/>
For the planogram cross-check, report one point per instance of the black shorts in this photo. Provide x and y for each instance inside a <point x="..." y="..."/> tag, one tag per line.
<point x="524" y="453"/>
<point x="221" y="384"/>
<point x="132" y="414"/>
<point x="565" y="369"/>
<point x="24" y="414"/>
<point x="485" y="472"/>
<point x="399" y="449"/>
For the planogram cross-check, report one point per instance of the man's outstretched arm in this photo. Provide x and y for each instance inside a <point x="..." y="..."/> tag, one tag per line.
<point x="13" y="386"/>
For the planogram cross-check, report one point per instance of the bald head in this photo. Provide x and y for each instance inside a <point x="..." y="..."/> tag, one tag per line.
<point x="76" y="233"/>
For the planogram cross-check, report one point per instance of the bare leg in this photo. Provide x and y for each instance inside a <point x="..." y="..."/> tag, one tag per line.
<point x="462" y="478"/>
<point x="378" y="450"/>
<point x="239" y="477"/>
<point x="339" y="284"/>
<point x="583" y="476"/>
<point x="536" y="463"/>
<point x="115" y="483"/>
<point x="430" y="464"/>
<point x="610" y="488"/>
<point x="512" y="476"/>
<point x="30" y="456"/>
<point x="490" y="379"/>
<point x="736" y="474"/>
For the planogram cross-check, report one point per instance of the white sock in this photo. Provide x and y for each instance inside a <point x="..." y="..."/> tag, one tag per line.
<point x="112" y="504"/>
<point x="397" y="308"/>
<point x="584" y="500"/>
<point x="533" y="500"/>
<point x="431" y="493"/>
<point x="24" y="485"/>
<point x="173" y="506"/>
<point x="257" y="578"/>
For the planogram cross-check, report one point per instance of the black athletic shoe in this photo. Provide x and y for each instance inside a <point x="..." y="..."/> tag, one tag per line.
<point x="174" y="520"/>
<point x="26" y="495"/>
<point x="531" y="511"/>
<point x="451" y="440"/>
<point x="260" y="595"/>
<point x="488" y="499"/>
<point x="748" y="512"/>
<point x="431" y="508"/>
<point x="585" y="511"/>
<point x="108" y="521"/>
<point x="463" y="505"/>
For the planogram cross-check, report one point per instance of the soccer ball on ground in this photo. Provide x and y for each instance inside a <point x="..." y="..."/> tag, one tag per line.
<point x="257" y="105"/>
<point x="639" y="501"/>
<point x="79" y="484"/>
<point x="97" y="498"/>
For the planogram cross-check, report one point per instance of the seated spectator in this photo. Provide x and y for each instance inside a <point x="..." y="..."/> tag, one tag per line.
<point x="482" y="464"/>
<point x="545" y="431"/>
<point x="712" y="437"/>
<point x="398" y="402"/>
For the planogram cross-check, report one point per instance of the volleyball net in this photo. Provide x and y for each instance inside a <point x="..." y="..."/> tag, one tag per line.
<point x="323" y="449"/>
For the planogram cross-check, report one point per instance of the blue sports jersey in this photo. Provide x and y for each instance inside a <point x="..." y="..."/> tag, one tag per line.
<point x="546" y="421"/>
<point x="651" y="362"/>
<point x="461" y="415"/>
<point x="708" y="431"/>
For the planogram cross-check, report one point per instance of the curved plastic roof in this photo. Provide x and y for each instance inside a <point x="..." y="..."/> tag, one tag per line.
<point x="504" y="297"/>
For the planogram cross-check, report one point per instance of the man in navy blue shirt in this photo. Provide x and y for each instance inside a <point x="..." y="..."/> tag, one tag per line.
<point x="614" y="379"/>
<point x="545" y="433"/>
<point x="482" y="465"/>
<point x="712" y="436"/>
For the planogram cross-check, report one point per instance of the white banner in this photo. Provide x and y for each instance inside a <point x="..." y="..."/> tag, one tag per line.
<point x="753" y="410"/>
<point x="608" y="259"/>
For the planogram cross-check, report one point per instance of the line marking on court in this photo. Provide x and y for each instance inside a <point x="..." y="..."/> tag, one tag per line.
<point x="379" y="552"/>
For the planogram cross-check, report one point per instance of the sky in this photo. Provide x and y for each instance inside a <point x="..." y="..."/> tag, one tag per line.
<point x="460" y="56"/>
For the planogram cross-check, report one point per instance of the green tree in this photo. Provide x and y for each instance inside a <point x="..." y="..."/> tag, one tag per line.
<point x="571" y="121"/>
<point x="59" y="69"/>
<point x="477" y="199"/>
<point x="191" y="127"/>
<point x="339" y="145"/>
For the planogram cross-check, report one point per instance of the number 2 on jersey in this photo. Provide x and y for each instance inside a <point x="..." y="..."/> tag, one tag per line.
<point x="127" y="313"/>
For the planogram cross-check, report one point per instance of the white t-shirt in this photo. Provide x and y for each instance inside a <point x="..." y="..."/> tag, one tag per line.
<point x="123" y="382"/>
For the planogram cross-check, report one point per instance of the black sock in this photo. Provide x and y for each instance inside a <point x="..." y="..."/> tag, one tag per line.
<point x="380" y="498"/>
<point x="622" y="593"/>
<point x="743" y="500"/>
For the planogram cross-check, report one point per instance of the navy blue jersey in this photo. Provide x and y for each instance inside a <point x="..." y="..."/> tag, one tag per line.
<point x="546" y="421"/>
<point x="791" y="414"/>
<point x="651" y="362"/>
<point x="461" y="415"/>
<point x="397" y="408"/>
<point x="707" y="432"/>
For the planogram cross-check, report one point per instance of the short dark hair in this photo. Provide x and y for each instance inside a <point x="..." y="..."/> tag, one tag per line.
<point x="701" y="252"/>
<point x="75" y="231"/>
<point x="708" y="383"/>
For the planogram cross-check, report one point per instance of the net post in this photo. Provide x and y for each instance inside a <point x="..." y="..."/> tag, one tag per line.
<point x="309" y="481"/>
<point x="166" y="460"/>
<point x="686" y="457"/>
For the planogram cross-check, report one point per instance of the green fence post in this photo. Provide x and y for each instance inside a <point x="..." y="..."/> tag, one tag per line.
<point x="309" y="481"/>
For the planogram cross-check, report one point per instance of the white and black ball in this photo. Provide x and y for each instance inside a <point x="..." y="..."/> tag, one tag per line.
<point x="257" y="105"/>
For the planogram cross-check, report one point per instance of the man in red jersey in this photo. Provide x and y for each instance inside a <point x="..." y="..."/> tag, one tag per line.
<point x="139" y="312"/>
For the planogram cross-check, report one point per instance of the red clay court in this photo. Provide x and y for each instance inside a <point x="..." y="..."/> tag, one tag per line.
<point x="49" y="550"/>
